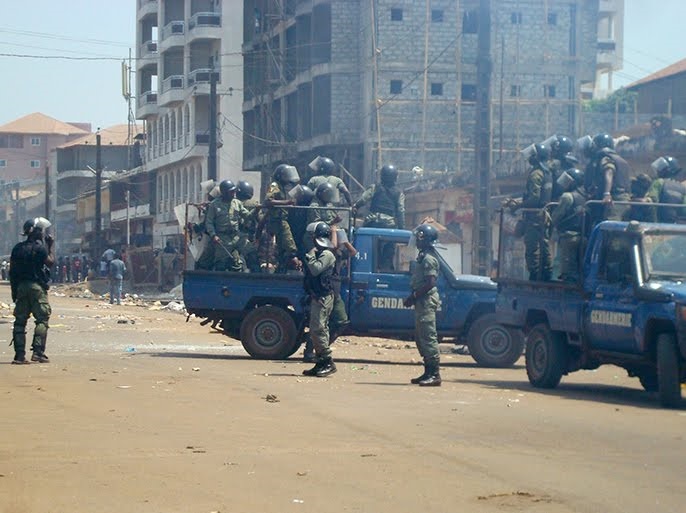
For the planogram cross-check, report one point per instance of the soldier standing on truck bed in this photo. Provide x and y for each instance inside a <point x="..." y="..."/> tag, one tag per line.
<point x="247" y="245"/>
<point x="285" y="178"/>
<point x="320" y="265"/>
<point x="666" y="189"/>
<point x="426" y="301"/>
<point x="568" y="219"/>
<point x="325" y="168"/>
<point x="223" y="221"/>
<point x="387" y="201"/>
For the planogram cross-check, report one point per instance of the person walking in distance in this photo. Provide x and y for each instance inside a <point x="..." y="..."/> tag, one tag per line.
<point x="29" y="280"/>
<point x="117" y="269"/>
<point x="425" y="299"/>
<point x="319" y="266"/>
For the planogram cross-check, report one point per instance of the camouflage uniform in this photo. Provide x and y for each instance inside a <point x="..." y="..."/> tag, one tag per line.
<point x="247" y="246"/>
<point x="277" y="225"/>
<point x="29" y="282"/>
<point x="567" y="218"/>
<point x="387" y="209"/>
<point x="320" y="266"/>
<point x="224" y="220"/>
<point x="668" y="190"/>
<point x="316" y="213"/>
<point x="338" y="185"/>
<point x="607" y="161"/>
<point x="537" y="231"/>
<point x="425" y="308"/>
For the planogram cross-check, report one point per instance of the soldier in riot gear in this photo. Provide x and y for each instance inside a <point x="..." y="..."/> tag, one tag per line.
<point x="426" y="301"/>
<point x="561" y="160"/>
<point x="607" y="178"/>
<point x="322" y="210"/>
<point x="665" y="189"/>
<point x="223" y="221"/>
<point x="247" y="245"/>
<point x="285" y="178"/>
<point x="297" y="220"/>
<point x="568" y="218"/>
<point x="539" y="189"/>
<point x="387" y="201"/>
<point x="29" y="280"/>
<point x="639" y="186"/>
<point x="325" y="168"/>
<point x="319" y="266"/>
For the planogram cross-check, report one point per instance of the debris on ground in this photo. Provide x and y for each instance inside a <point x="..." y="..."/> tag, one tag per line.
<point x="271" y="398"/>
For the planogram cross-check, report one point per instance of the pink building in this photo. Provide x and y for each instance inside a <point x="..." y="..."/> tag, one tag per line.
<point x="26" y="143"/>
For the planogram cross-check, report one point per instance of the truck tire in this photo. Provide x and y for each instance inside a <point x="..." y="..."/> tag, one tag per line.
<point x="546" y="357"/>
<point x="269" y="333"/>
<point x="648" y="381"/>
<point x="492" y="344"/>
<point x="669" y="384"/>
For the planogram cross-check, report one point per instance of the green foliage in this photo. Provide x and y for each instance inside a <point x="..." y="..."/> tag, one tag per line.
<point x="622" y="99"/>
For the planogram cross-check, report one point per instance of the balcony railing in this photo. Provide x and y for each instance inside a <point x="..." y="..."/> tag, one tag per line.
<point x="205" y="19"/>
<point x="148" y="98"/>
<point x="172" y="82"/>
<point x="174" y="28"/>
<point x="201" y="76"/>
<point x="141" y="3"/>
<point x="149" y="47"/>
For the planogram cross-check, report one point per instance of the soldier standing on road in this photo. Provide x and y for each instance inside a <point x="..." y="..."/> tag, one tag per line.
<point x="425" y="299"/>
<point x="568" y="218"/>
<point x="224" y="216"/>
<point x="320" y="263"/>
<point x="666" y="189"/>
<point x="539" y="188"/>
<point x="29" y="281"/>
<point x="324" y="168"/>
<point x="116" y="271"/>
<point x="387" y="201"/>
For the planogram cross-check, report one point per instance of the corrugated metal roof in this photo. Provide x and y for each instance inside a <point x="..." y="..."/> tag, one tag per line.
<point x="39" y="123"/>
<point x="673" y="69"/>
<point x="112" y="136"/>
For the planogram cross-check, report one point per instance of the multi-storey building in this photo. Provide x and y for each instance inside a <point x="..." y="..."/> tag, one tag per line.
<point x="371" y="81"/>
<point x="180" y="44"/>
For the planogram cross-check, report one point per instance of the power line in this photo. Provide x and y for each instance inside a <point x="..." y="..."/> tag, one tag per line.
<point x="58" y="57"/>
<point x="48" y="35"/>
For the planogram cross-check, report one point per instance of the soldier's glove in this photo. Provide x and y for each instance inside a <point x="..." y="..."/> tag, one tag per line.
<point x="512" y="204"/>
<point x="216" y="239"/>
<point x="409" y="301"/>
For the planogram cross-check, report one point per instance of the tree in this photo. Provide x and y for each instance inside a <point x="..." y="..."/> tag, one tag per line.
<point x="622" y="99"/>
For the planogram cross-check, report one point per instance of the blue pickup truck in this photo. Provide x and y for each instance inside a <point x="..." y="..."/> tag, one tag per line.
<point x="267" y="311"/>
<point x="627" y="309"/>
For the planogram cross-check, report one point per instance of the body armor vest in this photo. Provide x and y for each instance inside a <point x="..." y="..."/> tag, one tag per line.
<point x="27" y="263"/>
<point x="321" y="285"/>
<point x="385" y="200"/>
<point x="572" y="222"/>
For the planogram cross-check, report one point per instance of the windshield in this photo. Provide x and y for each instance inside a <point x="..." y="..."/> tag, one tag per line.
<point x="665" y="255"/>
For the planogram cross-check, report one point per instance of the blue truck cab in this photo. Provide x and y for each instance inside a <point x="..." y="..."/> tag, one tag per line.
<point x="267" y="312"/>
<point x="627" y="309"/>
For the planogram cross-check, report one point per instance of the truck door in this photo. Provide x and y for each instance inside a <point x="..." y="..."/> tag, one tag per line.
<point x="610" y="314"/>
<point x="377" y="303"/>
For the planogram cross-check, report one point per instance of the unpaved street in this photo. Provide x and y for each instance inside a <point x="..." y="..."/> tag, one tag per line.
<point x="164" y="416"/>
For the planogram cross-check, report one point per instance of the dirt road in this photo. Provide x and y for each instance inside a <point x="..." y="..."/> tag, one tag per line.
<point x="164" y="416"/>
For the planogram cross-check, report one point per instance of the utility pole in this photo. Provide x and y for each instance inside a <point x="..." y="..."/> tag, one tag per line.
<point x="17" y="214"/>
<point x="128" y="219"/>
<point x="481" y="235"/>
<point x="47" y="192"/>
<point x="98" y="199"/>
<point x="212" y="155"/>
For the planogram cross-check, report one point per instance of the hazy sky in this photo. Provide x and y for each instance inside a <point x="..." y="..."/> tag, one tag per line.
<point x="83" y="90"/>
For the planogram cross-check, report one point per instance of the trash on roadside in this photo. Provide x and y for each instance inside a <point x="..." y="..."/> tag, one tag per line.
<point x="271" y="398"/>
<point x="130" y="350"/>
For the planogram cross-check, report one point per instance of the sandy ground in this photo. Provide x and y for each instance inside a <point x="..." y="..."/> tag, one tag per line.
<point x="160" y="415"/>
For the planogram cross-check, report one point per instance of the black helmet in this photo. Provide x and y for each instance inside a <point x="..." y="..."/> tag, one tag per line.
<point x="326" y="166"/>
<point x="245" y="191"/>
<point x="602" y="141"/>
<point x="537" y="153"/>
<point x="226" y="187"/>
<point x="562" y="146"/>
<point x="306" y="196"/>
<point x="28" y="226"/>
<point x="322" y="235"/>
<point x="388" y="174"/>
<point x="325" y="192"/>
<point x="285" y="174"/>
<point x="425" y="235"/>
<point x="666" y="167"/>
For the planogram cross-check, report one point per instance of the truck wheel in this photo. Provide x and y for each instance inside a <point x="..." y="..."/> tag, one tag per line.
<point x="268" y="333"/>
<point x="648" y="380"/>
<point x="492" y="344"/>
<point x="546" y="357"/>
<point x="669" y="386"/>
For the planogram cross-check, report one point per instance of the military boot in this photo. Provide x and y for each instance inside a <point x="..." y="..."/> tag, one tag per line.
<point x="415" y="381"/>
<point x="308" y="354"/>
<point x="314" y="370"/>
<point x="38" y="348"/>
<point x="433" y="377"/>
<point x="327" y="367"/>
<point x="19" y="342"/>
